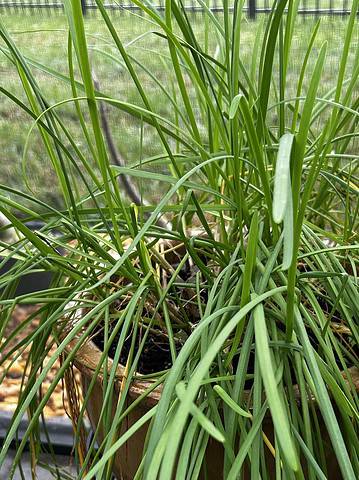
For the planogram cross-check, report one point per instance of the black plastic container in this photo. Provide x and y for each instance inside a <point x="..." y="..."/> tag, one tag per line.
<point x="30" y="282"/>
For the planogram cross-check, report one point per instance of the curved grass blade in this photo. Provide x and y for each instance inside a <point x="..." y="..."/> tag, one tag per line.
<point x="282" y="177"/>
<point x="274" y="396"/>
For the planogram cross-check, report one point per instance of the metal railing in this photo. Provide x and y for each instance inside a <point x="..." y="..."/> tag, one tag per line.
<point x="308" y="7"/>
<point x="253" y="7"/>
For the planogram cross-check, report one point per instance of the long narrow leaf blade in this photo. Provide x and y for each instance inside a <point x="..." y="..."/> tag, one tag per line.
<point x="282" y="177"/>
<point x="275" y="401"/>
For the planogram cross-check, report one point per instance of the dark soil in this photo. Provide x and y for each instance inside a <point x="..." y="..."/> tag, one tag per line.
<point x="155" y="355"/>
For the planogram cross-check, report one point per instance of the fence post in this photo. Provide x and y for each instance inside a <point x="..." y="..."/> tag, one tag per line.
<point x="83" y="7"/>
<point x="252" y="9"/>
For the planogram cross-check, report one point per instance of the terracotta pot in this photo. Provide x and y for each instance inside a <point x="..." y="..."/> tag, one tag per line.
<point x="128" y="457"/>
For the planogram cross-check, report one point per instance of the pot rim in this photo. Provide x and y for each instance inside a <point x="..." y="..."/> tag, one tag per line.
<point x="88" y="357"/>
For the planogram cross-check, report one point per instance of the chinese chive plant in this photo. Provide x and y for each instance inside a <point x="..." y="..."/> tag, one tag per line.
<point x="261" y="191"/>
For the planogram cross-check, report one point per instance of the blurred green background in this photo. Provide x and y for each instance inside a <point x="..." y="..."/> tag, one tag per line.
<point x="42" y="37"/>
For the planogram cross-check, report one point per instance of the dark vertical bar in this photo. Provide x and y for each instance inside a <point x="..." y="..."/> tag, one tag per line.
<point x="83" y="7"/>
<point x="252" y="9"/>
<point x="317" y="7"/>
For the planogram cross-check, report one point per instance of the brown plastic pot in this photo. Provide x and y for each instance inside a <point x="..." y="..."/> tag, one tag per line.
<point x="128" y="457"/>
